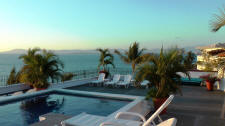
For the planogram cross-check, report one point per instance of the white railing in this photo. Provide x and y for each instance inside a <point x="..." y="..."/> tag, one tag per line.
<point x="71" y="83"/>
<point x="20" y="87"/>
<point x="197" y="74"/>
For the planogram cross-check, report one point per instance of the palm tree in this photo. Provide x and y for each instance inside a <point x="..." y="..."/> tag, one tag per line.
<point x="162" y="71"/>
<point x="133" y="56"/>
<point x="67" y="76"/>
<point x="40" y="67"/>
<point x="14" y="77"/>
<point x="106" y="58"/>
<point x="219" y="20"/>
<point x="189" y="60"/>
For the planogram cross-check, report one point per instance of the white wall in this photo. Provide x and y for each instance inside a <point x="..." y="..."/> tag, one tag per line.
<point x="197" y="74"/>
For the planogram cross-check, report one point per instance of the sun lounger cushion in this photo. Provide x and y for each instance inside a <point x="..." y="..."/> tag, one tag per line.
<point x="84" y="119"/>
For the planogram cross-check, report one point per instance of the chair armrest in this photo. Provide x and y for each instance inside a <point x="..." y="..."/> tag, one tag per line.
<point x="130" y="113"/>
<point x="112" y="124"/>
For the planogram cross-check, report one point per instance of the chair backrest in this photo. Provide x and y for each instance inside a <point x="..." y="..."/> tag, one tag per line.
<point x="116" y="77"/>
<point x="127" y="78"/>
<point x="145" y="82"/>
<point x="159" y="110"/>
<point x="101" y="77"/>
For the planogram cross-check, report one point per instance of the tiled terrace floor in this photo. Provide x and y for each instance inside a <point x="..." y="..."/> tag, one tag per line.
<point x="196" y="107"/>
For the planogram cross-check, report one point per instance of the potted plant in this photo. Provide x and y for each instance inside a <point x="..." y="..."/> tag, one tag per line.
<point x="40" y="68"/>
<point x="210" y="80"/>
<point x="67" y="76"/>
<point x="162" y="71"/>
<point x="106" y="58"/>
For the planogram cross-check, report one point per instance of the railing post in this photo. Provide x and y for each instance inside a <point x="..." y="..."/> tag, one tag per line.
<point x="84" y="72"/>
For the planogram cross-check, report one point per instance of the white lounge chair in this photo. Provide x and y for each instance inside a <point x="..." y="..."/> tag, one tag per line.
<point x="168" y="122"/>
<point x="145" y="83"/>
<point x="100" y="80"/>
<point x="17" y="93"/>
<point x="115" y="80"/>
<point x="84" y="119"/>
<point x="31" y="90"/>
<point x="153" y="117"/>
<point x="125" y="82"/>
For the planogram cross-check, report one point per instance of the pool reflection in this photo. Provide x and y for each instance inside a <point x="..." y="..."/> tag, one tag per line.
<point x="31" y="109"/>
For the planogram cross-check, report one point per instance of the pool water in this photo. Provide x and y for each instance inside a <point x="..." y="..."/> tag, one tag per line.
<point x="192" y="81"/>
<point x="26" y="112"/>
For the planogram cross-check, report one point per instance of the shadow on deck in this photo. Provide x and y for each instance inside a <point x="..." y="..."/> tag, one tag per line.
<point x="196" y="107"/>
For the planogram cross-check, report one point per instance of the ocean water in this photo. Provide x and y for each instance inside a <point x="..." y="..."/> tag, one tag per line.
<point x="72" y="62"/>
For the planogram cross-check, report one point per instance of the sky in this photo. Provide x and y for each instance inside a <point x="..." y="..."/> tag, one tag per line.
<point x="91" y="24"/>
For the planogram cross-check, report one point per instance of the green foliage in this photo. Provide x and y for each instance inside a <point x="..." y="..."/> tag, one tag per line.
<point x="133" y="56"/>
<point x="106" y="58"/>
<point x="153" y="92"/>
<point x="218" y="21"/>
<point x="14" y="77"/>
<point x="189" y="60"/>
<point x="67" y="76"/>
<point x="40" y="67"/>
<point x="162" y="71"/>
<point x="209" y="77"/>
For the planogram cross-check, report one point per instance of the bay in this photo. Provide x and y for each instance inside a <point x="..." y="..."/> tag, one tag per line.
<point x="72" y="62"/>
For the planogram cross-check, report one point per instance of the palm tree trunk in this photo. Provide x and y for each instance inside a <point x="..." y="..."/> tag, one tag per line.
<point x="133" y="67"/>
<point x="103" y="67"/>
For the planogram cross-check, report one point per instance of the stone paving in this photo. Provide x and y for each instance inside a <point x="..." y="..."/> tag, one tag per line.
<point x="196" y="107"/>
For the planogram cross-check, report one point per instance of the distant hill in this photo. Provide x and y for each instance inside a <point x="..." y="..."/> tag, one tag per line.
<point x="23" y="51"/>
<point x="157" y="50"/>
<point x="14" y="51"/>
<point x="193" y="49"/>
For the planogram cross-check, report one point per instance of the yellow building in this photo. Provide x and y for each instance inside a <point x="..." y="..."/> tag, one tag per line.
<point x="210" y="53"/>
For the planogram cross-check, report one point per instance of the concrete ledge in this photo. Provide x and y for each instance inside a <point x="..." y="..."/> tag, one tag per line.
<point x="8" y="99"/>
<point x="13" y="88"/>
<point x="71" y="83"/>
<point x="97" y="94"/>
<point x="20" y="87"/>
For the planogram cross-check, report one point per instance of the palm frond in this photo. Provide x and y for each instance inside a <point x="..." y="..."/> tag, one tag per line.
<point x="218" y="21"/>
<point x="122" y="57"/>
<point x="162" y="71"/>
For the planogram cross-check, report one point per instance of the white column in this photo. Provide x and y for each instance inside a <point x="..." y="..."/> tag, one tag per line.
<point x="221" y="83"/>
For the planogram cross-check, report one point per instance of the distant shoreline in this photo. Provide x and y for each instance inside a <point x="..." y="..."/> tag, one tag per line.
<point x="91" y="51"/>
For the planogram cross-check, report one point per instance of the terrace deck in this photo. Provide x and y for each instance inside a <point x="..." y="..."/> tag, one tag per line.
<point x="196" y="107"/>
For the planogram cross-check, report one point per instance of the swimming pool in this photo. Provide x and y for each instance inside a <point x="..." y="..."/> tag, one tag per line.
<point x="25" y="111"/>
<point x="191" y="81"/>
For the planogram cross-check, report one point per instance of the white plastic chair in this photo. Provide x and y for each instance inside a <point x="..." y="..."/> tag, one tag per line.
<point x="100" y="80"/>
<point x="125" y="82"/>
<point x="31" y="90"/>
<point x="115" y="80"/>
<point x="17" y="93"/>
<point x="84" y="119"/>
<point x="150" y="121"/>
<point x="145" y="83"/>
<point x="168" y="122"/>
